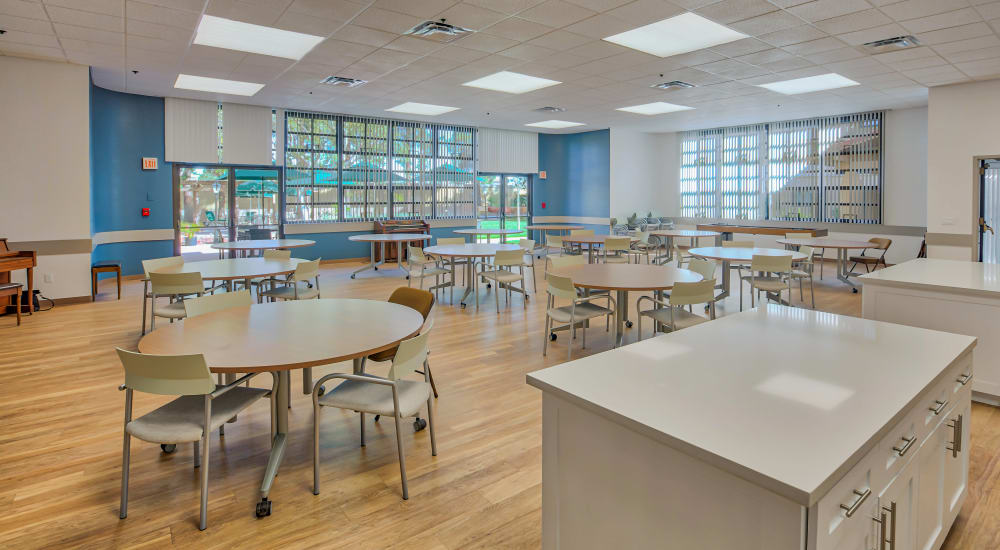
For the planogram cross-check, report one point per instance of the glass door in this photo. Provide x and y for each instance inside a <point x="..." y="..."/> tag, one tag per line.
<point x="202" y="213"/>
<point x="989" y="211"/>
<point x="515" y="202"/>
<point x="503" y="201"/>
<point x="257" y="204"/>
<point x="488" y="204"/>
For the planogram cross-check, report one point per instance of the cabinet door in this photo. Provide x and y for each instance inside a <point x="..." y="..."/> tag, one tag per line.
<point x="897" y="504"/>
<point x="956" y="460"/>
<point x="930" y="480"/>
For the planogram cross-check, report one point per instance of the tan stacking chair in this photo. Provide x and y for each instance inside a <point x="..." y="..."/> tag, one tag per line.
<point x="738" y="266"/>
<point x="176" y="287"/>
<point x="420" y="300"/>
<point x="194" y="307"/>
<point x="553" y="247"/>
<point x="775" y="276"/>
<point x="617" y="250"/>
<point x="879" y="244"/>
<point x="149" y="266"/>
<point x="420" y="266"/>
<point x="503" y="274"/>
<point x="291" y="289"/>
<point x="643" y="247"/>
<point x="671" y="313"/>
<point x="531" y="252"/>
<point x="805" y="270"/>
<point x="820" y="252"/>
<point x="389" y="396"/>
<point x="459" y="262"/>
<point x="200" y="408"/>
<point x="580" y="309"/>
<point x="274" y="254"/>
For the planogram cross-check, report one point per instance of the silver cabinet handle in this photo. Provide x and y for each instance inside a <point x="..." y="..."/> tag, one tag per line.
<point x="964" y="379"/>
<point x="892" y="524"/>
<point x="906" y="446"/>
<point x="956" y="442"/>
<point x="862" y="497"/>
<point x="940" y="405"/>
<point x="881" y="530"/>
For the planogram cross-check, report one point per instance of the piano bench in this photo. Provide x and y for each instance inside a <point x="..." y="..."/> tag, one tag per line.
<point x="13" y="289"/>
<point x="107" y="266"/>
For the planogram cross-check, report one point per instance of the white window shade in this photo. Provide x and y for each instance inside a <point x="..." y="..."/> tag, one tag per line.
<point x="191" y="130"/>
<point x="507" y="151"/>
<point x="246" y="134"/>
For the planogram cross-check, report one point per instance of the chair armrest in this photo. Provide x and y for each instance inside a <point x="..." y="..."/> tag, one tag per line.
<point x="651" y="299"/>
<point x="355" y="377"/>
<point x="611" y="301"/>
<point x="221" y="391"/>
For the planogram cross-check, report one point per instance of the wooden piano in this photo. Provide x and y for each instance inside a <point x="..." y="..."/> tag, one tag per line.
<point x="399" y="226"/>
<point x="11" y="260"/>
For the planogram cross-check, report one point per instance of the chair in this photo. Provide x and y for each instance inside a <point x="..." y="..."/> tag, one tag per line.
<point x="14" y="289"/>
<point x="553" y="247"/>
<point x="617" y="250"/>
<point x="580" y="309"/>
<point x="503" y="274"/>
<point x="175" y="286"/>
<point x="153" y="265"/>
<point x="671" y="313"/>
<point x="456" y="261"/>
<point x="776" y="276"/>
<point x="105" y="266"/>
<point x="807" y="235"/>
<point x="880" y="244"/>
<point x="387" y="396"/>
<point x="200" y="408"/>
<point x="216" y="302"/>
<point x="807" y="268"/>
<point x="644" y="247"/>
<point x="423" y="302"/>
<point x="530" y="251"/>
<point x="277" y="254"/>
<point x="421" y="267"/>
<point x="738" y="266"/>
<point x="291" y="289"/>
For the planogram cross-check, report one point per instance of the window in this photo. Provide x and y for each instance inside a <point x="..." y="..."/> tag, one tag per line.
<point x="826" y="169"/>
<point x="454" y="172"/>
<point x="412" y="170"/>
<point x="312" y="168"/>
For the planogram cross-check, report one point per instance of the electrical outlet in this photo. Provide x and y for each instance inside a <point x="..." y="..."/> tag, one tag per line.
<point x="47" y="277"/>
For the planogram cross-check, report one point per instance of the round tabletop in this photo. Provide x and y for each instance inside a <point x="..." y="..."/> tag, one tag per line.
<point x="285" y="335"/>
<point x="389" y="237"/>
<point x="468" y="250"/>
<point x="485" y="231"/>
<point x="594" y="239"/>
<point x="737" y="254"/>
<point x="684" y="233"/>
<point x="235" y="268"/>
<point x="263" y="244"/>
<point x="639" y="277"/>
<point x="554" y="227"/>
<point x="826" y="242"/>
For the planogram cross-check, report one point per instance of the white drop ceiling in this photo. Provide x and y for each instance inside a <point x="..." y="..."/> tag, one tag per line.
<point x="554" y="39"/>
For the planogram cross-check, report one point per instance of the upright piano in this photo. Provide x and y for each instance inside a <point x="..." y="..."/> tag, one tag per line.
<point x="11" y="260"/>
<point x="399" y="226"/>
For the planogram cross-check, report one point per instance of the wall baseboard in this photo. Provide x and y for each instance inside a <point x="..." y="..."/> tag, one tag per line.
<point x="71" y="300"/>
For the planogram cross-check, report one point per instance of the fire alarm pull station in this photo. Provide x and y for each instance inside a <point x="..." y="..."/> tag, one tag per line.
<point x="543" y="205"/>
<point x="145" y="212"/>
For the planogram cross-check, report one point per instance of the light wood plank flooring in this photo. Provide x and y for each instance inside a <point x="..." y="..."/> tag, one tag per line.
<point x="60" y="442"/>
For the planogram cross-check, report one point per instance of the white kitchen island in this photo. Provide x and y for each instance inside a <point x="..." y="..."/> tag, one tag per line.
<point x="949" y="295"/>
<point x="774" y="429"/>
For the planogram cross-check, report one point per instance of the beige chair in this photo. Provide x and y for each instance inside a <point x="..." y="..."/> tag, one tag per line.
<point x="176" y="287"/>
<point x="880" y="244"/>
<point x="553" y="247"/>
<point x="190" y="418"/>
<point x="502" y="273"/>
<point x="531" y="253"/>
<point x="703" y="267"/>
<point x="420" y="266"/>
<point x="459" y="262"/>
<point x="580" y="309"/>
<point x="616" y="250"/>
<point x="737" y="265"/>
<point x="671" y="313"/>
<point x="643" y="247"/>
<point x="194" y="307"/>
<point x="149" y="266"/>
<point x="772" y="274"/>
<point x="805" y="270"/>
<point x="390" y="396"/>
<point x="297" y="286"/>
<point x="820" y="252"/>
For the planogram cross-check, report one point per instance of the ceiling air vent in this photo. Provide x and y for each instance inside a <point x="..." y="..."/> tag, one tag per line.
<point x="550" y="109"/>
<point x="673" y="84"/>
<point x="438" y="31"/>
<point x="891" y="44"/>
<point x="343" y="81"/>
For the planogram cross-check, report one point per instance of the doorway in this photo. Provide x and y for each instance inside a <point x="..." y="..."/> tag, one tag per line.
<point x="989" y="210"/>
<point x="503" y="200"/>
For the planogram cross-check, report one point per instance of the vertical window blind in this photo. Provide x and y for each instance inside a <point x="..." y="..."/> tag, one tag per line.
<point x="824" y="169"/>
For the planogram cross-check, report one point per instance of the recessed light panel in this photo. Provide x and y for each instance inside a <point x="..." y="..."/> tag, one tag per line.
<point x="818" y="83"/>
<point x="658" y="108"/>
<point x="682" y="33"/>
<point x="555" y="124"/>
<point x="217" y="85"/>
<point x="511" y="83"/>
<point x="244" y="37"/>
<point x="421" y="109"/>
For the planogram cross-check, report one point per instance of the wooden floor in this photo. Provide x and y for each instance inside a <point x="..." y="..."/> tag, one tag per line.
<point x="60" y="442"/>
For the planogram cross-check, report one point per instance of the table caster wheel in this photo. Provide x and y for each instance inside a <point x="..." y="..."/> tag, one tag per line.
<point x="353" y="274"/>
<point x="463" y="306"/>
<point x="854" y="290"/>
<point x="376" y="268"/>
<point x="552" y="336"/>
<point x="263" y="508"/>
<point x="168" y="447"/>
<point x="419" y="424"/>
<point x="489" y="285"/>
<point x="377" y="416"/>
<point x="407" y="277"/>
<point x="628" y="324"/>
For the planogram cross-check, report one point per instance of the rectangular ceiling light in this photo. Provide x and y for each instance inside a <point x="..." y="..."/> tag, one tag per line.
<point x="245" y="37"/>
<point x="555" y="124"/>
<point x="217" y="85"/>
<point x="421" y="109"/>
<point x="682" y="33"/>
<point x="808" y="84"/>
<point x="511" y="83"/>
<point x="658" y="108"/>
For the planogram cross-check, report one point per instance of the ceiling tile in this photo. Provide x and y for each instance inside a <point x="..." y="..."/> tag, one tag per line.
<point x="308" y="24"/>
<point x="832" y="56"/>
<point x="158" y="14"/>
<point x="556" y="13"/>
<point x="981" y="68"/>
<point x="766" y="56"/>
<point x="768" y="23"/>
<point x="363" y="35"/>
<point x="909" y="9"/>
<point x="458" y="53"/>
<point x="870" y="35"/>
<point x="486" y="42"/>
<point x="528" y="52"/>
<point x="973" y="55"/>
<point x="969" y="44"/>
<point x="266" y="14"/>
<point x="741" y="47"/>
<point x="26" y="24"/>
<point x="599" y="5"/>
<point x="517" y="29"/>
<point x="107" y="7"/>
<point x="953" y="34"/>
<point x="415" y="45"/>
<point x="826" y="9"/>
<point x="732" y="69"/>
<point x="30" y="39"/>
<point x="28" y="50"/>
<point x="85" y="19"/>
<point x="19" y="8"/>
<point x="814" y="46"/>
<point x="644" y="12"/>
<point x="336" y="10"/>
<point x="423" y="9"/>
<point x="470" y="17"/>
<point x="559" y="40"/>
<point x="505" y="6"/>
<point x="787" y="64"/>
<point x="598" y="49"/>
<point x="853" y="22"/>
<point x="729" y="11"/>
<point x="989" y="11"/>
<point x="387" y="21"/>
<point x="794" y="35"/>
<point x="942" y="21"/>
<point x="90" y="35"/>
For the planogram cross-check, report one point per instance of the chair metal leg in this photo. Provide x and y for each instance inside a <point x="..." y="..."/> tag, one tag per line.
<point x="145" y="292"/>
<point x="430" y="426"/>
<point x="545" y="337"/>
<point x="197" y="455"/>
<point x="402" y="458"/>
<point x="126" y="456"/>
<point x="430" y="376"/>
<point x="315" y="448"/>
<point x="204" y="465"/>
<point x="362" y="415"/>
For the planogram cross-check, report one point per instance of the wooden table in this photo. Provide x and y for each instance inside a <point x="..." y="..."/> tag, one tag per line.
<point x="728" y="230"/>
<point x="728" y="255"/>
<point x="380" y="239"/>
<point x="623" y="278"/>
<point x="11" y="260"/>
<point x="259" y="246"/>
<point x="543" y="229"/>
<point x="280" y="336"/>
<point x="842" y="247"/>
<point x="502" y="233"/>
<point x="471" y="252"/>
<point x="593" y="241"/>
<point x="692" y="234"/>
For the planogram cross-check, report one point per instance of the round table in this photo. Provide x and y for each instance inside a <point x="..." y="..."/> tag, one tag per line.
<point x="692" y="234"/>
<point x="593" y="240"/>
<point x="545" y="228"/>
<point x="261" y="245"/>
<point x="729" y="254"/>
<point x="469" y="251"/>
<point x="380" y="239"/>
<point x="841" y="245"/>
<point x="280" y="336"/>
<point x="624" y="278"/>
<point x="502" y="233"/>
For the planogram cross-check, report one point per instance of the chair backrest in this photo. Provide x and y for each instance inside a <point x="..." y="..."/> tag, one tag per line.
<point x="509" y="257"/>
<point x="410" y="355"/>
<point x="561" y="287"/>
<point x="880" y="243"/>
<point x="170" y="284"/>
<point x="277" y="254"/>
<point x="414" y="298"/>
<point x="581" y="232"/>
<point x="643" y="236"/>
<point x="703" y="267"/>
<point x="416" y="254"/>
<point x="737" y="244"/>
<point x="216" y="302"/>
<point x="684" y="294"/>
<point x="258" y="234"/>
<point x="166" y="374"/>
<point x="616" y="244"/>
<point x="798" y="235"/>
<point x="771" y="264"/>
<point x="809" y="252"/>
<point x="306" y="270"/>
<point x="451" y="240"/>
<point x="554" y="241"/>
<point x="526" y="244"/>
<point x="567" y="261"/>
<point x="159" y="263"/>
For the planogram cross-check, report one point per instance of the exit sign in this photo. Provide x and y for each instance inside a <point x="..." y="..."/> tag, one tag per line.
<point x="149" y="163"/>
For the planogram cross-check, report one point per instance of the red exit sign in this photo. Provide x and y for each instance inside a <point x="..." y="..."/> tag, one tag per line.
<point x="149" y="163"/>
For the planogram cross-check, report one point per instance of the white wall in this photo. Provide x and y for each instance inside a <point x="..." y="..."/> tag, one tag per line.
<point x="45" y="152"/>
<point x="904" y="181"/>
<point x="964" y="120"/>
<point x="638" y="175"/>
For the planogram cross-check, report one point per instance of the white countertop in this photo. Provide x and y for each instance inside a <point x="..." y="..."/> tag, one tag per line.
<point x="786" y="398"/>
<point x="972" y="277"/>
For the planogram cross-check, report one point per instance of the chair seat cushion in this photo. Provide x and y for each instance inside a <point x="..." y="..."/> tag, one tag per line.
<point x="182" y="419"/>
<point x="173" y="311"/>
<point x="502" y="275"/>
<point x="865" y="259"/>
<point x="583" y="311"/>
<point x="107" y="263"/>
<point x="682" y="317"/>
<point x="375" y="398"/>
<point x="288" y="293"/>
<point x="428" y="271"/>
<point x="800" y="274"/>
<point x="769" y="284"/>
<point x="616" y="260"/>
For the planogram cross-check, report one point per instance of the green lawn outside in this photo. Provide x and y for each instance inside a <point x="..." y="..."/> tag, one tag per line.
<point x="508" y="224"/>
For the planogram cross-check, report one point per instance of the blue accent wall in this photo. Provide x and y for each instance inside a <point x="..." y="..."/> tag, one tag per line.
<point x="578" y="168"/>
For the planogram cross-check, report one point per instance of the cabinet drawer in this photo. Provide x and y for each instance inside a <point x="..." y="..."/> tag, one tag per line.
<point x="855" y="493"/>
<point x="900" y="444"/>
<point x="935" y="404"/>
